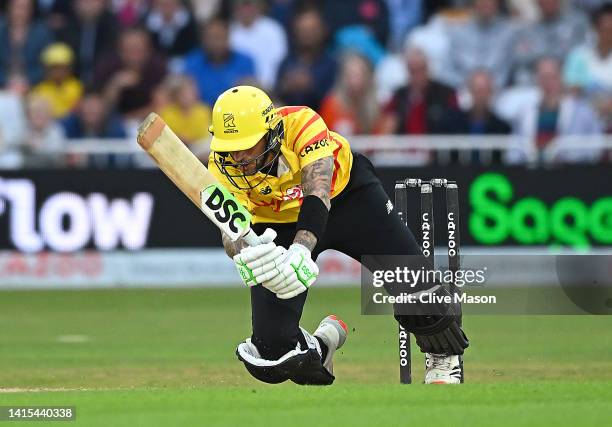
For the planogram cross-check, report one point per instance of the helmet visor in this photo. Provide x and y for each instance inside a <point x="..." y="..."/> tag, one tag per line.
<point x="234" y="170"/>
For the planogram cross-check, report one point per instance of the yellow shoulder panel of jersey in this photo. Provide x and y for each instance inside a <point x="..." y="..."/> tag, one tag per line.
<point x="277" y="198"/>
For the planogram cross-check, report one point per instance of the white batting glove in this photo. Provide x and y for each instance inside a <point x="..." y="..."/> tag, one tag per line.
<point x="294" y="275"/>
<point x="257" y="256"/>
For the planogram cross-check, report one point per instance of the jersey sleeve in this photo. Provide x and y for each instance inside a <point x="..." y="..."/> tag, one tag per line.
<point x="311" y="139"/>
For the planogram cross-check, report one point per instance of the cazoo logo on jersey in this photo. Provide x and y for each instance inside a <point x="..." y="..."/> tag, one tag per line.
<point x="67" y="221"/>
<point x="314" y="146"/>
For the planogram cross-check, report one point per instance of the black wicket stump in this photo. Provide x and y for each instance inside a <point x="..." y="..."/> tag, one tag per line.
<point x="427" y="223"/>
<point x="401" y="205"/>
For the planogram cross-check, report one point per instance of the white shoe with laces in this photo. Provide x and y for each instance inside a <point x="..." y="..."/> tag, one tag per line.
<point x="443" y="369"/>
<point x="332" y="331"/>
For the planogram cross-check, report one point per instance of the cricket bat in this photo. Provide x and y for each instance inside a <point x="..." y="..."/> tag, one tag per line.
<point x="195" y="181"/>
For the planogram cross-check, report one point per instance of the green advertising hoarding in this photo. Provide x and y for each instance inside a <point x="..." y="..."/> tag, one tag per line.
<point x="497" y="215"/>
<point x="559" y="207"/>
<point x="46" y="210"/>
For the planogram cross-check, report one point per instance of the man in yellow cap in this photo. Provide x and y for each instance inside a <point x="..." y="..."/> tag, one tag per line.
<point x="60" y="88"/>
<point x="307" y="193"/>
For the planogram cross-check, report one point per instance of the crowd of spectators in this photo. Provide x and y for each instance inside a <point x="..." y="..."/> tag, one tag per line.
<point x="75" y="69"/>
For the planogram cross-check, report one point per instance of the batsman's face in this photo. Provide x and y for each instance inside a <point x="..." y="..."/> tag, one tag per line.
<point x="247" y="160"/>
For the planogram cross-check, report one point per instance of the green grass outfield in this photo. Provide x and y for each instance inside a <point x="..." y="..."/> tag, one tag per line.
<point x="166" y="357"/>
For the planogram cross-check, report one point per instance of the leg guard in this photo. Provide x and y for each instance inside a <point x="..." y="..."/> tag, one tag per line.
<point x="437" y="333"/>
<point x="302" y="365"/>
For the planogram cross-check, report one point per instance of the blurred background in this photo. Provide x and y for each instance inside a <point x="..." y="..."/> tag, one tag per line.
<point x="513" y="99"/>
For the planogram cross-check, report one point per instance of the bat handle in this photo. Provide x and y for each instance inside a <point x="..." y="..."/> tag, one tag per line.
<point x="251" y="238"/>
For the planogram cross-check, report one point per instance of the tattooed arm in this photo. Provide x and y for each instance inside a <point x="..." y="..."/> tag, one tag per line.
<point x="232" y="248"/>
<point x="305" y="238"/>
<point x="316" y="181"/>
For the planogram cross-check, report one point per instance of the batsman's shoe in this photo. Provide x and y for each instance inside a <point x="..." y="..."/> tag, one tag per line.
<point x="332" y="331"/>
<point x="442" y="369"/>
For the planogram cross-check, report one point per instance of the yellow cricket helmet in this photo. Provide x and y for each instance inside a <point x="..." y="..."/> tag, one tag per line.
<point x="241" y="116"/>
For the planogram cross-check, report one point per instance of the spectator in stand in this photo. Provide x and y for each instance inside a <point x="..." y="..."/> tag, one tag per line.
<point x="555" y="114"/>
<point x="523" y="10"/>
<point x="129" y="12"/>
<point x="603" y="104"/>
<point x="215" y="67"/>
<point x="357" y="38"/>
<point x="423" y="106"/>
<point x="53" y="12"/>
<point x="259" y="37"/>
<point x="45" y="8"/>
<point x="93" y="119"/>
<point x="129" y="78"/>
<point x="13" y="123"/>
<point x="588" y="68"/>
<point x="403" y="17"/>
<point x="307" y="74"/>
<point x="60" y="88"/>
<point x="205" y="10"/>
<point x="283" y="10"/>
<point x="372" y="14"/>
<point x="351" y="108"/>
<point x="185" y="114"/>
<point x="91" y="32"/>
<point x="173" y="28"/>
<point x="439" y="7"/>
<point x="433" y="38"/>
<point x="479" y="118"/>
<point x="22" y="39"/>
<point x="588" y="6"/>
<point x="44" y="138"/>
<point x="554" y="35"/>
<point x="483" y="42"/>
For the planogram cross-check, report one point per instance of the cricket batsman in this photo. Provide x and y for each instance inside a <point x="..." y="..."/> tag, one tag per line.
<point x="307" y="193"/>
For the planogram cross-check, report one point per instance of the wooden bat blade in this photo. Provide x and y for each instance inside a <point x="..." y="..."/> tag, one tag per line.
<point x="174" y="158"/>
<point x="195" y="181"/>
<point x="149" y="130"/>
